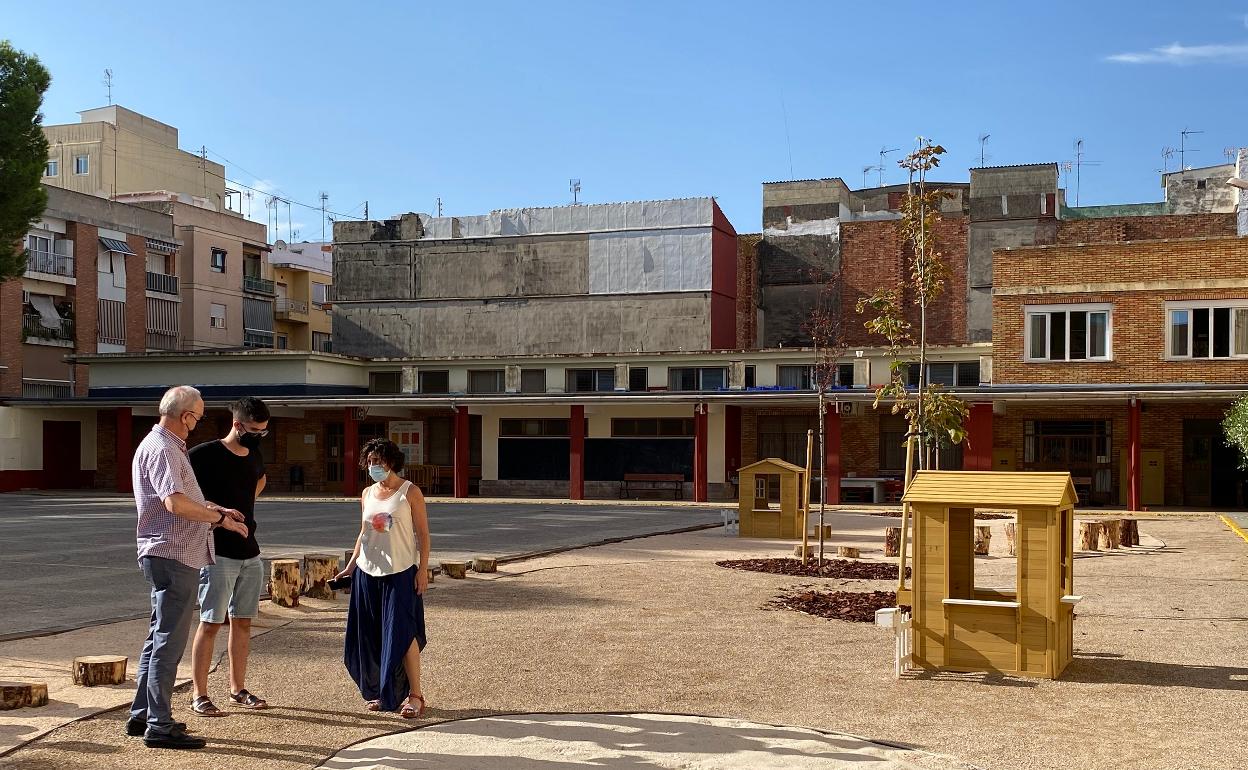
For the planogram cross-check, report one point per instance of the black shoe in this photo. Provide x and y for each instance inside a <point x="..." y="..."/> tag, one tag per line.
<point x="177" y="739"/>
<point x="136" y="728"/>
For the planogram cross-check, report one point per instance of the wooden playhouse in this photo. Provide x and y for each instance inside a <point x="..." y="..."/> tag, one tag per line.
<point x="769" y="499"/>
<point x="961" y="624"/>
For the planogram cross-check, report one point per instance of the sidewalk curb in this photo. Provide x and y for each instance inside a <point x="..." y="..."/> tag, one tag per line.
<point x="1228" y="521"/>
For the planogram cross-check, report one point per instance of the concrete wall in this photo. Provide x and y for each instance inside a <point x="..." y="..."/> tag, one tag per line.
<point x="21" y="437"/>
<point x="1200" y="190"/>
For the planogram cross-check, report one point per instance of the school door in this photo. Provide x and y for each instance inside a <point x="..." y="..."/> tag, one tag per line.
<point x="62" y="455"/>
<point x="1211" y="474"/>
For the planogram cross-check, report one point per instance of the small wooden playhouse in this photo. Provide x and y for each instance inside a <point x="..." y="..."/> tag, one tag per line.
<point x="759" y="484"/>
<point x="1026" y="630"/>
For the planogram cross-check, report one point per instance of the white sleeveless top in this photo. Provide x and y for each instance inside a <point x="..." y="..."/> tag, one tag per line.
<point x="389" y="542"/>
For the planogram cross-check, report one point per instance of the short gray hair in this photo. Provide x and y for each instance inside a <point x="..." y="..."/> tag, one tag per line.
<point x="177" y="400"/>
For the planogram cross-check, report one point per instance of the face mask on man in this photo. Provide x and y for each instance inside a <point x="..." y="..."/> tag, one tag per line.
<point x="378" y="472"/>
<point x="250" y="440"/>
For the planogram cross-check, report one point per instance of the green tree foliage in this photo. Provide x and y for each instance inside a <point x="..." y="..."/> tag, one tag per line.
<point x="23" y="154"/>
<point x="1235" y="429"/>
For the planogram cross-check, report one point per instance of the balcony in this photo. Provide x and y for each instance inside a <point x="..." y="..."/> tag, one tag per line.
<point x="50" y="263"/>
<point x="164" y="284"/>
<point x="258" y="285"/>
<point x="291" y="307"/>
<point x="161" y="340"/>
<point x="35" y="388"/>
<point x="37" y="333"/>
<point x="257" y="339"/>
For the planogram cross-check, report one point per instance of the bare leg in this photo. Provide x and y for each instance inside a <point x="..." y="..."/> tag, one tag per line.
<point x="201" y="656"/>
<point x="239" y="647"/>
<point x="411" y="665"/>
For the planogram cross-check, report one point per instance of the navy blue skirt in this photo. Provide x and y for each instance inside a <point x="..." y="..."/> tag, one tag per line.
<point x="385" y="615"/>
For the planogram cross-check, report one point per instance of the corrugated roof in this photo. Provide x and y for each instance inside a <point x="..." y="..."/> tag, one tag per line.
<point x="983" y="489"/>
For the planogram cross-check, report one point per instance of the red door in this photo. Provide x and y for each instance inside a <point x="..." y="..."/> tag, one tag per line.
<point x="62" y="455"/>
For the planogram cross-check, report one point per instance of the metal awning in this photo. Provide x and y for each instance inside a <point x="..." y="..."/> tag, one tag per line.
<point x="48" y="317"/>
<point x="112" y="244"/>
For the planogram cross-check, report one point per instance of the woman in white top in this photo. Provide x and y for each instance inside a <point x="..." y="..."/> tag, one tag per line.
<point x="389" y="574"/>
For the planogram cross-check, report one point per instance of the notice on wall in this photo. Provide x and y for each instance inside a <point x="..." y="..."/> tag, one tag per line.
<point x="410" y="436"/>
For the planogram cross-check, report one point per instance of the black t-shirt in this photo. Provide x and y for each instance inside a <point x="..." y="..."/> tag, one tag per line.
<point x="229" y="480"/>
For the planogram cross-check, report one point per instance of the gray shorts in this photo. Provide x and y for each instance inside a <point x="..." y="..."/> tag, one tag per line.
<point x="230" y="585"/>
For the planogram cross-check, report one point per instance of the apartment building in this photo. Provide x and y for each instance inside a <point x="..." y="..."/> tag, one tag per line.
<point x="303" y="279"/>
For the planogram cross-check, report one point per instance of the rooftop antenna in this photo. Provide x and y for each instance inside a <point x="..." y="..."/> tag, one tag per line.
<point x="867" y="170"/>
<point x="1166" y="154"/>
<point x="574" y="187"/>
<point x="1079" y="163"/>
<point x="108" y="83"/>
<point x="1183" y="147"/>
<point x="983" y="140"/>
<point x="247" y="195"/>
<point x="324" y="197"/>
<point x="439" y="207"/>
<point x="885" y="151"/>
<point x="1229" y="153"/>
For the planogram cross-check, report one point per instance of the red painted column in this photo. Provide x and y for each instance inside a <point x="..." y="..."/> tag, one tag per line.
<point x="832" y="452"/>
<point x="125" y="448"/>
<point x="1133" y="455"/>
<point x="461" y="451"/>
<point x="576" y="453"/>
<point x="699" y="453"/>
<point x="732" y="441"/>
<point x="978" y="456"/>
<point x="350" y="453"/>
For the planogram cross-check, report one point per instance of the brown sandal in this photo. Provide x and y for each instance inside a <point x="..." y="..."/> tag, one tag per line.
<point x="411" y="712"/>
<point x="247" y="700"/>
<point x="204" y="707"/>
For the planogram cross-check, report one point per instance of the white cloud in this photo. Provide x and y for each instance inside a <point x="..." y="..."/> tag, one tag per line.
<point x="1179" y="54"/>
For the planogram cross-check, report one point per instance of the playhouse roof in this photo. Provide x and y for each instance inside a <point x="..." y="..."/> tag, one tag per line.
<point x="984" y="489"/>
<point x="774" y="462"/>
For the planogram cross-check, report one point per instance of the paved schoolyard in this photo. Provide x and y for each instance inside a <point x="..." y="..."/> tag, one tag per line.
<point x="653" y="626"/>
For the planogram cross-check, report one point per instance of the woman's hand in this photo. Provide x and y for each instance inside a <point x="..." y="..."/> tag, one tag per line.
<point x="422" y="580"/>
<point x="346" y="571"/>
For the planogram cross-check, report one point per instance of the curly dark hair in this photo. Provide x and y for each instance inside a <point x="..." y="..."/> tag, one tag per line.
<point x="386" y="450"/>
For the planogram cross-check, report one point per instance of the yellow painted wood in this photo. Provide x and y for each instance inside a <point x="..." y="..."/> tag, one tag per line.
<point x="986" y="489"/>
<point x="756" y="518"/>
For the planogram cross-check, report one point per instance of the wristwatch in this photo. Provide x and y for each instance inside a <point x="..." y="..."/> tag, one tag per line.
<point x="218" y="521"/>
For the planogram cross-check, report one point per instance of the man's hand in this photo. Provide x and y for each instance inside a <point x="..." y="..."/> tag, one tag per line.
<point x="230" y="513"/>
<point x="234" y="526"/>
<point x="422" y="580"/>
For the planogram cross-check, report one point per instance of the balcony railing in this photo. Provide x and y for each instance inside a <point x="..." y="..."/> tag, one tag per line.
<point x="32" y="325"/>
<point x="50" y="263"/>
<point x="34" y="388"/>
<point x="258" y="285"/>
<point x="161" y="340"/>
<point x="285" y="307"/>
<point x="257" y="339"/>
<point x="322" y="343"/>
<point x="165" y="284"/>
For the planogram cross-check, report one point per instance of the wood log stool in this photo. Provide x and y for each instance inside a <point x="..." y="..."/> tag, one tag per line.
<point x="827" y="531"/>
<point x="1089" y="535"/>
<point x="847" y="552"/>
<point x="16" y="695"/>
<point x="983" y="538"/>
<point x="484" y="564"/>
<point x="318" y="570"/>
<point x="1111" y="534"/>
<point x="456" y="570"/>
<point x="284" y="582"/>
<point x="1011" y="535"/>
<point x="92" y="670"/>
<point x="1130" y="533"/>
<point x="892" y="541"/>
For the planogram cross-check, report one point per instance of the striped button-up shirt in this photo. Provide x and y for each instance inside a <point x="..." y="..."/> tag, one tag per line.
<point x="161" y="468"/>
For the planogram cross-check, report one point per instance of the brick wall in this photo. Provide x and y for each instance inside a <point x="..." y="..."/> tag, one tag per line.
<point x="1138" y="321"/>
<point x="1121" y="229"/>
<point x="136" y="295"/>
<point x="11" y="338"/>
<point x="747" y="290"/>
<point x="86" y="306"/>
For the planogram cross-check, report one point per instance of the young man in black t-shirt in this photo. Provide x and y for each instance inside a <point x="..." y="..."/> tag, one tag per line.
<point x="231" y="473"/>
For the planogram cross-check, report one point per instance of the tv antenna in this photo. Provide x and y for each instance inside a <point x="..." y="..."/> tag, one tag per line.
<point x="574" y="187"/>
<point x="1078" y="165"/>
<point x="867" y="170"/>
<point x="324" y="197"/>
<point x="983" y="140"/>
<point x="108" y="83"/>
<point x="1230" y="153"/>
<point x="1183" y="147"/>
<point x="439" y="207"/>
<point x="1166" y="154"/>
<point x="883" y="152"/>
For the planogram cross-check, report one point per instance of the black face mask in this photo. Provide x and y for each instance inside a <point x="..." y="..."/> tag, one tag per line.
<point x="249" y="440"/>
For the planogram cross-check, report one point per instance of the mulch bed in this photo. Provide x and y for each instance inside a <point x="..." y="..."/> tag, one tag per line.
<point x="853" y="606"/>
<point x="831" y="568"/>
<point x="897" y="515"/>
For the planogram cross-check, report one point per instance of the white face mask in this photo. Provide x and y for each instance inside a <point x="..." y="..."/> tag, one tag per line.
<point x="378" y="472"/>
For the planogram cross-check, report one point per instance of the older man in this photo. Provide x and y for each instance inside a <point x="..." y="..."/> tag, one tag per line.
<point x="175" y="542"/>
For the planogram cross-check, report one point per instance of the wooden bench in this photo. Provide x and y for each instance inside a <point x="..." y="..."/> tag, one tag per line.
<point x="652" y="482"/>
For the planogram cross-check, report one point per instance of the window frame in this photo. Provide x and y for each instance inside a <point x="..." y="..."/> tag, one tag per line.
<point x="86" y="165"/>
<point x="212" y="260"/>
<point x="1210" y="305"/>
<point x="1046" y="311"/>
<point x="699" y="372"/>
<point x="212" y="318"/>
<point x="420" y="381"/>
<point x="596" y="374"/>
<point x="500" y="380"/>
<point x="54" y="165"/>
<point x="533" y="373"/>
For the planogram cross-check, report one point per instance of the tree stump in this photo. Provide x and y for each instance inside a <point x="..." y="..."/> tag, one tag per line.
<point x="455" y="569"/>
<point x="484" y="564"/>
<point x="1130" y="533"/>
<point x="812" y="549"/>
<point x="92" y="670"/>
<point x="1111" y="534"/>
<point x="892" y="541"/>
<point x="983" y="538"/>
<point x="1089" y="536"/>
<point x="1011" y="534"/>
<point x="827" y="531"/>
<point x="318" y="570"/>
<point x="284" y="582"/>
<point x="847" y="552"/>
<point x="16" y="695"/>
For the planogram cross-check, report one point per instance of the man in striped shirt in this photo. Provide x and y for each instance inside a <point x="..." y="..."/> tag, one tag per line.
<point x="175" y="540"/>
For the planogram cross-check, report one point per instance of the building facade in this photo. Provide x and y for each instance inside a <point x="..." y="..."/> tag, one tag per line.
<point x="303" y="280"/>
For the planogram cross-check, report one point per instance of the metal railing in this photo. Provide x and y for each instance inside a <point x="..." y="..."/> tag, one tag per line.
<point x="165" y="284"/>
<point x="287" y="306"/>
<point x="259" y="285"/>
<point x="256" y="339"/>
<point x="162" y="340"/>
<point x="50" y="263"/>
<point x="35" y="388"/>
<point x="32" y="325"/>
<point x="322" y="343"/>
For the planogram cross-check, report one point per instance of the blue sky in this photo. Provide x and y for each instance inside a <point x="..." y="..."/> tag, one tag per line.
<point x="497" y="105"/>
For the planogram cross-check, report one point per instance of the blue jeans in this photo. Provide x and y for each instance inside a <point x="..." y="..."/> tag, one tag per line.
<point x="174" y="587"/>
